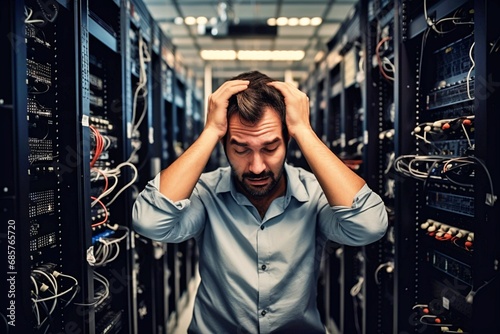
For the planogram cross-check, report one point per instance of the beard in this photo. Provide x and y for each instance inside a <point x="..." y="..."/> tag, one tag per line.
<point x="258" y="191"/>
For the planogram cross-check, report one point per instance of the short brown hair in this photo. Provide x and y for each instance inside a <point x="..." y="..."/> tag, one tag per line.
<point x="249" y="104"/>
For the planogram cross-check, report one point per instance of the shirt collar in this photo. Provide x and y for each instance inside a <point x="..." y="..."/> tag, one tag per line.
<point x="295" y="187"/>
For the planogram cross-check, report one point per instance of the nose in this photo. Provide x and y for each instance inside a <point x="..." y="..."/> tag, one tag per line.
<point x="256" y="164"/>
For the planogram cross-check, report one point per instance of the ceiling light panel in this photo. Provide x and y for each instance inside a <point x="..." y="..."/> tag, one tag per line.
<point x="218" y="54"/>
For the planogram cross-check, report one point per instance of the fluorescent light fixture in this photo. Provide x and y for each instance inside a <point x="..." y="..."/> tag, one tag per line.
<point x="257" y="55"/>
<point x="218" y="54"/>
<point x="201" y="20"/>
<point x="282" y="21"/>
<point x="316" y="21"/>
<point x="304" y="21"/>
<point x="190" y="20"/>
<point x="254" y="55"/>
<point x="293" y="21"/>
<point x="271" y="21"/>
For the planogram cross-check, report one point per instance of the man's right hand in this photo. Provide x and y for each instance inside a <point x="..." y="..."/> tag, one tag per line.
<point x="218" y="102"/>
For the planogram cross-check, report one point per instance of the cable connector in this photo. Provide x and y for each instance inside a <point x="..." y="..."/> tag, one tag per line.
<point x="90" y="256"/>
<point x="44" y="287"/>
<point x="470" y="297"/>
<point x="490" y="199"/>
<point x="430" y="21"/>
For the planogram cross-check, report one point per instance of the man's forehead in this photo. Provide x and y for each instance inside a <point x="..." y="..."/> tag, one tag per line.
<point x="269" y="126"/>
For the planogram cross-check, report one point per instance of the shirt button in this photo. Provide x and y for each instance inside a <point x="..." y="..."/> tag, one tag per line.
<point x="262" y="227"/>
<point x="263" y="312"/>
<point x="263" y="267"/>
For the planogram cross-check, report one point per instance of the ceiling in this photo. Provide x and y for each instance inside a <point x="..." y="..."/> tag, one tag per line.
<point x="250" y="13"/>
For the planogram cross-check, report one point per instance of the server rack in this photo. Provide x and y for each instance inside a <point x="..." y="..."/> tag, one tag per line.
<point x="378" y="156"/>
<point x="48" y="163"/>
<point x="79" y="115"/>
<point x="445" y="224"/>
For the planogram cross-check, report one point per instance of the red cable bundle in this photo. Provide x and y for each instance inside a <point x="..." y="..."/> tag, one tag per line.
<point x="99" y="145"/>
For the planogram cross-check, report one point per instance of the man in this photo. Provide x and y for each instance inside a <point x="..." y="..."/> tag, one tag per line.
<point x="260" y="223"/>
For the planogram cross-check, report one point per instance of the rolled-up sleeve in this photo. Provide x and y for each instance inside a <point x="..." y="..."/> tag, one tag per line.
<point x="361" y="224"/>
<point x="159" y="218"/>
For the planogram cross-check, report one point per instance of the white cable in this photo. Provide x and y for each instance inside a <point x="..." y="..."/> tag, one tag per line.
<point x="425" y="316"/>
<point x="357" y="287"/>
<point x="57" y="294"/>
<point x="104" y="281"/>
<point x="107" y="192"/>
<point x="470" y="70"/>
<point x="380" y="267"/>
<point x="109" y="248"/>
<point x="28" y="12"/>
<point x="52" y="280"/>
<point x="136" y="173"/>
<point x="35" y="306"/>
<point x="142" y="83"/>
<point x="466" y="135"/>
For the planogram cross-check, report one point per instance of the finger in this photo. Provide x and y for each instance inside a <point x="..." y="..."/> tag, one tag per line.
<point x="229" y="88"/>
<point x="286" y="88"/>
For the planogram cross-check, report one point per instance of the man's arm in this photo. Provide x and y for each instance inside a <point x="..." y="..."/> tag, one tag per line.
<point x="178" y="180"/>
<point x="339" y="183"/>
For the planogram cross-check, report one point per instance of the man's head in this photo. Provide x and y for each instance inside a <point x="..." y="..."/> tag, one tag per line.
<point x="249" y="104"/>
<point x="257" y="137"/>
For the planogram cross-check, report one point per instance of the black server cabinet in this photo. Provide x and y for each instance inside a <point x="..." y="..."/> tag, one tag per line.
<point x="445" y="202"/>
<point x="110" y="167"/>
<point x="44" y="114"/>
<point x="378" y="156"/>
<point x="89" y="108"/>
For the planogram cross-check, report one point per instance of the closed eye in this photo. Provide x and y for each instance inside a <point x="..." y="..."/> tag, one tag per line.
<point x="241" y="152"/>
<point x="272" y="149"/>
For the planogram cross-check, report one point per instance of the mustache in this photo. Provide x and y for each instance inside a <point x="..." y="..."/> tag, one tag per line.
<point x="262" y="175"/>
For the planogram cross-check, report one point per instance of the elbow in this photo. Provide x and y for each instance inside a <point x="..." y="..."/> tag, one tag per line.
<point x="144" y="222"/>
<point x="377" y="228"/>
<point x="140" y="224"/>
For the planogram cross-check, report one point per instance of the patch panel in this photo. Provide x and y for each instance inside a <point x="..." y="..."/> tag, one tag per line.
<point x="455" y="148"/>
<point x="450" y="202"/>
<point x="39" y="72"/>
<point x="450" y="94"/>
<point x="452" y="267"/>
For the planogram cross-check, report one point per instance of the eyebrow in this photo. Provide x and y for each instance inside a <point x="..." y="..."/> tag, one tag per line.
<point x="267" y="143"/>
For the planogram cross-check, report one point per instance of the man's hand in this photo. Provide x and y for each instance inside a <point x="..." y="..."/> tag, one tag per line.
<point x="178" y="180"/>
<point x="297" y="107"/>
<point x="218" y="102"/>
<point x="339" y="183"/>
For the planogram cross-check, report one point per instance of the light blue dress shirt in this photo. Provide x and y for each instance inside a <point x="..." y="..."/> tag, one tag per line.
<point x="258" y="275"/>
